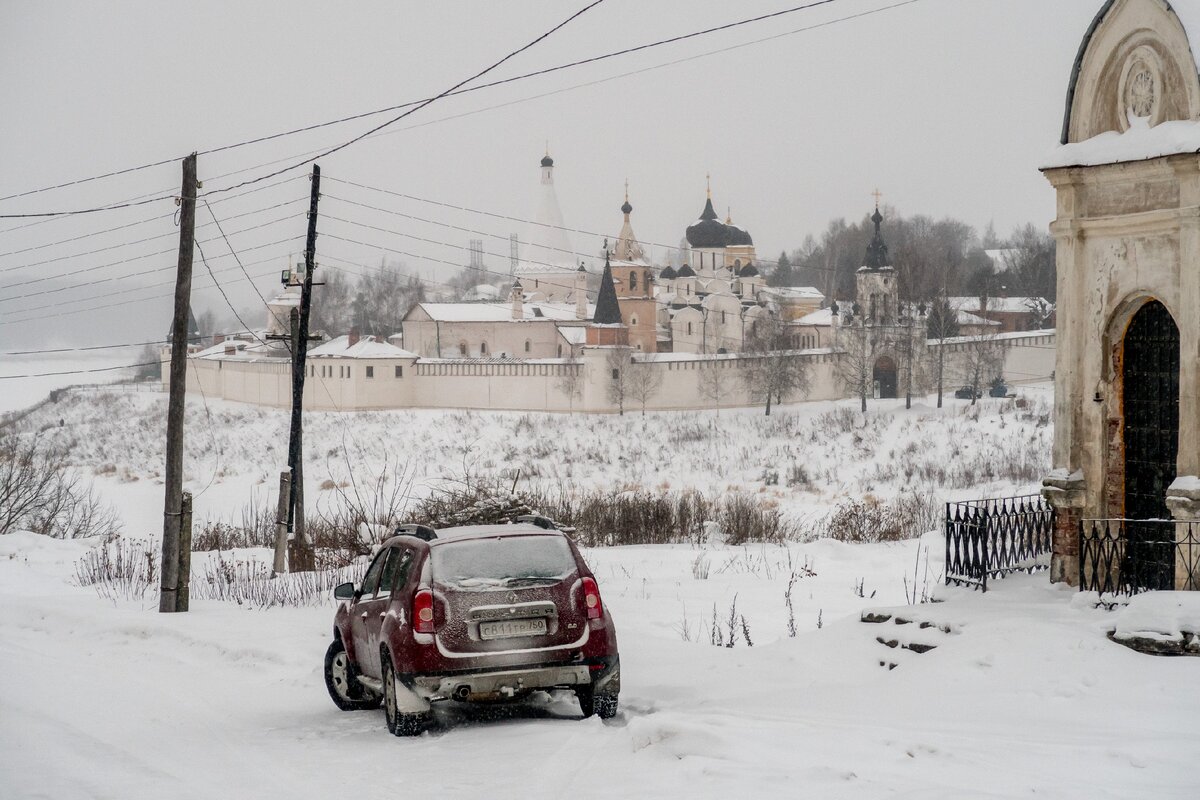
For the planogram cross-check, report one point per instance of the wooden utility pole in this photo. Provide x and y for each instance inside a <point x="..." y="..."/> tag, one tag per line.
<point x="183" y="595"/>
<point x="173" y="477"/>
<point x="300" y="549"/>
<point x="279" y="565"/>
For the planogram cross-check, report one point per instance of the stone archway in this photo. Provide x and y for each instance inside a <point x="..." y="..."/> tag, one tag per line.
<point x="1149" y="410"/>
<point x="1150" y="357"/>
<point x="884" y="376"/>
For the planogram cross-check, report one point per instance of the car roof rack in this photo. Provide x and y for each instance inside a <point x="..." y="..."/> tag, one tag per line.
<point x="539" y="521"/>
<point x="422" y="532"/>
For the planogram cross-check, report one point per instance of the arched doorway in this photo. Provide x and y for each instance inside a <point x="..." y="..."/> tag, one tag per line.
<point x="1150" y="434"/>
<point x="884" y="376"/>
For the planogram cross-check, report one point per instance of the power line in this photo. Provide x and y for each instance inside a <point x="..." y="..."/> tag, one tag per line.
<point x="134" y="224"/>
<point x="80" y="371"/>
<point x="423" y="103"/>
<point x="169" y="282"/>
<point x="458" y="89"/>
<point x="122" y="276"/>
<point x="77" y="311"/>
<point x="224" y="296"/>
<point x="172" y="234"/>
<point x="758" y="261"/>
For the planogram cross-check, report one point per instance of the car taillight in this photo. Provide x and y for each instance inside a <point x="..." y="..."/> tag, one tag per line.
<point x="591" y="599"/>
<point x="422" y="611"/>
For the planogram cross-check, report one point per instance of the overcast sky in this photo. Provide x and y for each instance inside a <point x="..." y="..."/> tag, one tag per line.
<point x="947" y="106"/>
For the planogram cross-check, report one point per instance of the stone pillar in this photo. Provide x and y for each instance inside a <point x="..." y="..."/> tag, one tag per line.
<point x="1183" y="498"/>
<point x="1068" y="495"/>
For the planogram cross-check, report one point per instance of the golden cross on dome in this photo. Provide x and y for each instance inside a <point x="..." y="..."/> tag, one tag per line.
<point x="708" y="184"/>
<point x="877" y="194"/>
<point x="627" y="190"/>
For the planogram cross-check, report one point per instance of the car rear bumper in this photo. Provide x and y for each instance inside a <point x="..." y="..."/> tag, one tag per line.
<point x="500" y="684"/>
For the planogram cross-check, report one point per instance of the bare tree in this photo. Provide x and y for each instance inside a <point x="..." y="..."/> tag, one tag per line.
<point x="644" y="382"/>
<point x="40" y="493"/>
<point x="618" y="362"/>
<point x="715" y="382"/>
<point x="1030" y="262"/>
<point x="856" y="367"/>
<point x="772" y="372"/>
<point x="982" y="362"/>
<point x="571" y="384"/>
<point x="942" y="324"/>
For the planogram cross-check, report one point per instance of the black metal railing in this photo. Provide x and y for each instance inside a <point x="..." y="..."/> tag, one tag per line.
<point x="996" y="537"/>
<point x="1128" y="556"/>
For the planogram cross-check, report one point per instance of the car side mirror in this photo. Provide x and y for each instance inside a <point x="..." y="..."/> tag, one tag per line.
<point x="344" y="591"/>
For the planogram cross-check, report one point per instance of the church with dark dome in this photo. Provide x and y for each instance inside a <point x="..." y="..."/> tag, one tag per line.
<point x="710" y="302"/>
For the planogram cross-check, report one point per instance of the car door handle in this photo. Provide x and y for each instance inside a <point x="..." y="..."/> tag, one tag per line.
<point x="364" y="615"/>
<point x="382" y="614"/>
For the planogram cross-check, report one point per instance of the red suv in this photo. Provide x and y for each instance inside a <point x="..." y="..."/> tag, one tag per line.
<point x="472" y="614"/>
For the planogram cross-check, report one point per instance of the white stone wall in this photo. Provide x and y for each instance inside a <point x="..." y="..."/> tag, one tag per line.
<point x="562" y="385"/>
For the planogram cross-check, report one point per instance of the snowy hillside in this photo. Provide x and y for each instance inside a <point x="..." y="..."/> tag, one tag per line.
<point x="805" y="458"/>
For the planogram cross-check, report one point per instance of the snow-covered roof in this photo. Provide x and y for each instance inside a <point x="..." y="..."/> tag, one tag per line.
<point x="574" y="334"/>
<point x="1138" y="143"/>
<point x="1008" y="305"/>
<point x="365" y="347"/>
<point x="793" y="292"/>
<point x="822" y="316"/>
<point x="967" y="318"/>
<point x="500" y="312"/>
<point x="247" y="346"/>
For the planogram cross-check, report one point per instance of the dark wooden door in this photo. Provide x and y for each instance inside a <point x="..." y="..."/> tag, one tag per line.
<point x="1151" y="438"/>
<point x="885" y="378"/>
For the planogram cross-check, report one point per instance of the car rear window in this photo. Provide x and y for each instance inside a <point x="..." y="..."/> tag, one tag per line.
<point x="502" y="562"/>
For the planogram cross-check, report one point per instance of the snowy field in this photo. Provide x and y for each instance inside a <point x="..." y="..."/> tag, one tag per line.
<point x="17" y="393"/>
<point x="1023" y="694"/>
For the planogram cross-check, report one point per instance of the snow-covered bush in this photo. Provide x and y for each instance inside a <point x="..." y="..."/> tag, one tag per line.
<point x="871" y="520"/>
<point x="249" y="583"/>
<point x="119" y="570"/>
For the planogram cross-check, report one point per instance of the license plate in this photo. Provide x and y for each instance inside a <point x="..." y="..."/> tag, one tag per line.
<point x="503" y="629"/>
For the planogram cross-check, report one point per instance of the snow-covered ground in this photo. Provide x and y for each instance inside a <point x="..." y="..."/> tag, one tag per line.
<point x="1024" y="695"/>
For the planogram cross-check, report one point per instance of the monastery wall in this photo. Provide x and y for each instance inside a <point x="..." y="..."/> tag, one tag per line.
<point x="687" y="381"/>
<point x="1028" y="356"/>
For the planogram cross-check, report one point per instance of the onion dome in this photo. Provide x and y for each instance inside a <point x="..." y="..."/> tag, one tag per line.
<point x="708" y="231"/>
<point x="625" y="207"/>
<point x="547" y="161"/>
<point x="738" y="236"/>
<point x="668" y="273"/>
<point x="686" y="271"/>
<point x="748" y="271"/>
<point x="877" y="251"/>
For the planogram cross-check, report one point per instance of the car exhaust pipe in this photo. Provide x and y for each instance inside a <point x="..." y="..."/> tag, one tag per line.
<point x="461" y="692"/>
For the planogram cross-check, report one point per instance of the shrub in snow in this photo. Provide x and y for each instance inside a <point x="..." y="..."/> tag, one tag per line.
<point x="119" y="570"/>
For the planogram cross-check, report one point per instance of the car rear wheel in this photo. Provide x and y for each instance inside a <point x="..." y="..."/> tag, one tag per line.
<point x="344" y="689"/>
<point x="603" y="706"/>
<point x="399" y="723"/>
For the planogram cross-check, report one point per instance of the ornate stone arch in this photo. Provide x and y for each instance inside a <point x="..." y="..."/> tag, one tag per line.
<point x="1110" y="393"/>
<point x="1136" y="58"/>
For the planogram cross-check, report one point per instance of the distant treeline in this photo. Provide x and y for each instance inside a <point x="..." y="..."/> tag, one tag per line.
<point x="930" y="256"/>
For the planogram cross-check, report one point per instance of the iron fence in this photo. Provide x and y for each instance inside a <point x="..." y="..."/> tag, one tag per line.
<point x="995" y="537"/>
<point x="1129" y="556"/>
